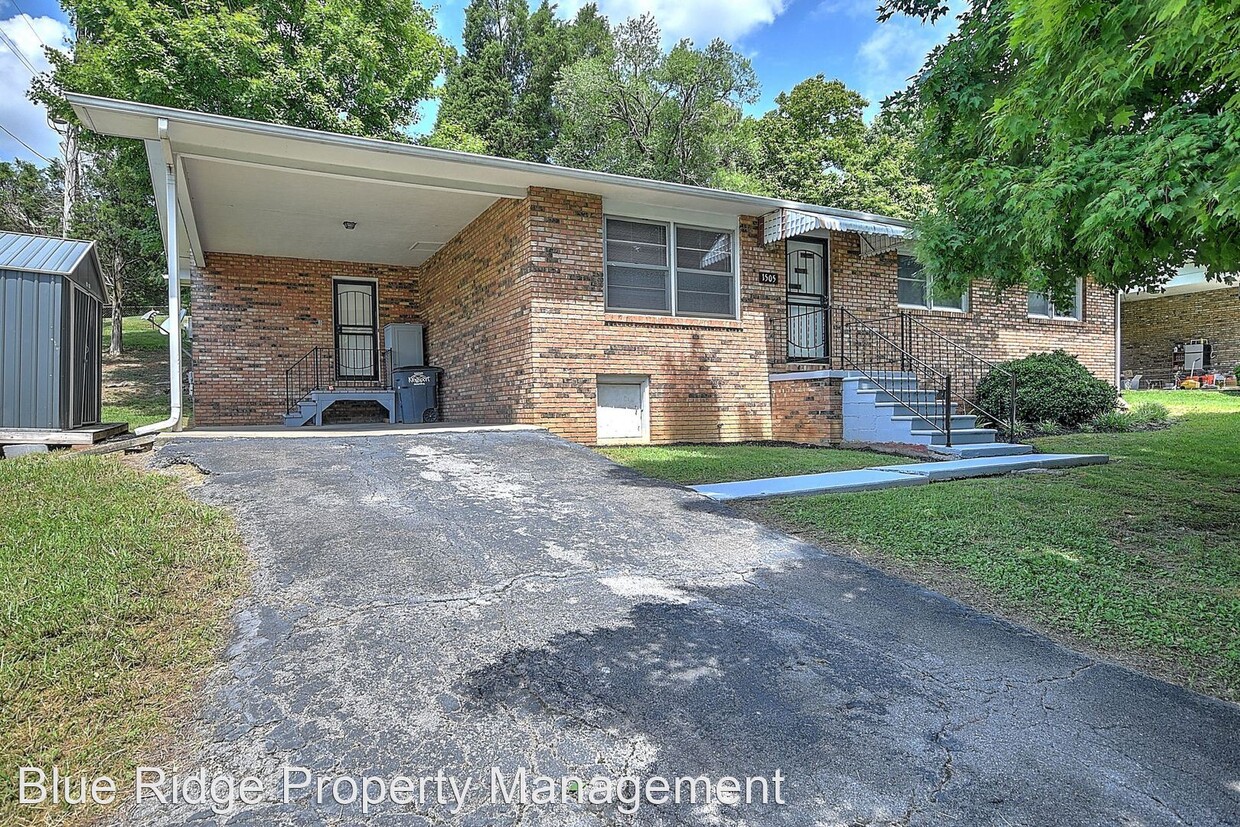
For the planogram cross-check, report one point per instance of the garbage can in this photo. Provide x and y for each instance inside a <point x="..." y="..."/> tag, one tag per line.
<point x="417" y="394"/>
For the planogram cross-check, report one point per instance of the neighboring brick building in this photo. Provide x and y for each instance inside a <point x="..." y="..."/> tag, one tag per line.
<point x="1155" y="326"/>
<point x="600" y="307"/>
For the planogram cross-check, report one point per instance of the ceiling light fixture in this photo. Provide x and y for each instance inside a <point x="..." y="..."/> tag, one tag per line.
<point x="348" y="225"/>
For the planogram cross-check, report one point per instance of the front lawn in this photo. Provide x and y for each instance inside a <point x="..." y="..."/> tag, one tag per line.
<point x="115" y="587"/>
<point x="1138" y="560"/>
<point x="697" y="464"/>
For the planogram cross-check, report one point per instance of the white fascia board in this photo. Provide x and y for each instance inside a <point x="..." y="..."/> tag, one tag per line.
<point x="134" y="120"/>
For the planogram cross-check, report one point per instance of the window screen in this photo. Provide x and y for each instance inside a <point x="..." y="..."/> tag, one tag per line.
<point x="705" y="284"/>
<point x="1043" y="305"/>
<point x="911" y="282"/>
<point x="637" y="267"/>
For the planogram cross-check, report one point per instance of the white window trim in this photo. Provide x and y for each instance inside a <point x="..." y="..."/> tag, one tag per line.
<point x="1054" y="315"/>
<point x="672" y="269"/>
<point x="930" y="305"/>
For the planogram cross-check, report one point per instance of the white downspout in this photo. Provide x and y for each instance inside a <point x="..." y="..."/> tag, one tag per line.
<point x="174" y="292"/>
<point x="1118" y="340"/>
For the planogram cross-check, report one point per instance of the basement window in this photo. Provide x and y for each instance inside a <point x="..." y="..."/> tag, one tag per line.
<point x="916" y="290"/>
<point x="1042" y="304"/>
<point x="699" y="280"/>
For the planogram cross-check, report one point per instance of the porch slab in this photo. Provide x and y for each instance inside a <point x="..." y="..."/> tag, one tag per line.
<point x="891" y="476"/>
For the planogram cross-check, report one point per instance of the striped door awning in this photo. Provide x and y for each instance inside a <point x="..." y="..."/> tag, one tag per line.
<point x="877" y="237"/>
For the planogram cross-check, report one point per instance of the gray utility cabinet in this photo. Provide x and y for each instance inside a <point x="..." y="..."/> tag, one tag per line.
<point x="406" y="343"/>
<point x="51" y="336"/>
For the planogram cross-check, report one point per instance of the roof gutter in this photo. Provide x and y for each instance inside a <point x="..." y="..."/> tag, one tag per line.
<point x="174" y="292"/>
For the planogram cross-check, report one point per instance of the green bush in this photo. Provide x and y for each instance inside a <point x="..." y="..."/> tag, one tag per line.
<point x="1049" y="386"/>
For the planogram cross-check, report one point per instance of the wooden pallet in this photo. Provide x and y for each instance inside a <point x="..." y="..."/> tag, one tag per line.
<point x="87" y="435"/>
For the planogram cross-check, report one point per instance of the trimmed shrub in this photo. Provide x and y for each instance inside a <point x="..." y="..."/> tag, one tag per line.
<point x="1051" y="386"/>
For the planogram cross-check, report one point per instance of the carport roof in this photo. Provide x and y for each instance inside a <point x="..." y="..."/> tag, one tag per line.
<point x="258" y="188"/>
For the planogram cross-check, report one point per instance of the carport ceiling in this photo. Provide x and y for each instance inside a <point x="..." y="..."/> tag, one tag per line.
<point x="279" y="211"/>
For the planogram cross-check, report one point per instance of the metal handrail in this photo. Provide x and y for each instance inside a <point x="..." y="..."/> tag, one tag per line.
<point x="862" y="360"/>
<point x="965" y="365"/>
<point x="320" y="369"/>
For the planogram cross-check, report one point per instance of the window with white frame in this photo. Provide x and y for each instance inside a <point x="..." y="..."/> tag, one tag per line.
<point x="915" y="288"/>
<point x="1042" y="304"/>
<point x="698" y="280"/>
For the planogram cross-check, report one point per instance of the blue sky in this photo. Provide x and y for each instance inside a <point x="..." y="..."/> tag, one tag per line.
<point x="787" y="41"/>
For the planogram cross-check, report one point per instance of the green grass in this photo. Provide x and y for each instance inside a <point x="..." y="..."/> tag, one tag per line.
<point x="136" y="382"/>
<point x="137" y="334"/>
<point x="114" y="589"/>
<point x="1138" y="560"/>
<point x="697" y="464"/>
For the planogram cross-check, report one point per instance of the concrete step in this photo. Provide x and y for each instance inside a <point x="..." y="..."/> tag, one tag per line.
<point x="895" y="395"/>
<point x="902" y="409"/>
<point x="994" y="449"/>
<point x="960" y="422"/>
<point x="966" y="436"/>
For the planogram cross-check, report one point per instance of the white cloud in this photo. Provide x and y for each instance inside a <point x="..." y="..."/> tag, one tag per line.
<point x="897" y="49"/>
<point x="21" y="117"/>
<point x="701" y="20"/>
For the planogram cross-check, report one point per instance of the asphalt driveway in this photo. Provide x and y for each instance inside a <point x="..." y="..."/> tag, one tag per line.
<point x="460" y="602"/>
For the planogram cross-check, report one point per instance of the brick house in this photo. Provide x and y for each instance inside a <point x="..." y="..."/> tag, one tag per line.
<point x="601" y="307"/>
<point x="1159" y="330"/>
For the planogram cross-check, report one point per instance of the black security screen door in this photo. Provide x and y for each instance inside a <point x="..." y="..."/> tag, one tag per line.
<point x="809" y="286"/>
<point x="357" y="330"/>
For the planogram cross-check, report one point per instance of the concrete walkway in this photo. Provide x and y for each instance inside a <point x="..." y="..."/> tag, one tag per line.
<point x="891" y="476"/>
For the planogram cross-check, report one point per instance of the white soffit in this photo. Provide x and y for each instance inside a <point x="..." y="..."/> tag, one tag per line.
<point x="259" y="188"/>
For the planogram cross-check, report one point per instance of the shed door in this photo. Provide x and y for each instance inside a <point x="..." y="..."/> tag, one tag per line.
<point x="85" y="359"/>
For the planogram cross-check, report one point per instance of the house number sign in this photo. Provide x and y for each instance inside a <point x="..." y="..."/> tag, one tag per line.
<point x="768" y="278"/>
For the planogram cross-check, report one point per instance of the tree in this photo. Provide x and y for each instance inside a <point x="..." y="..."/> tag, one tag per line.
<point x="30" y="198"/>
<point x="814" y="146"/>
<point x="116" y="208"/>
<point x="501" y="89"/>
<point x="640" y="111"/>
<point x="353" y="66"/>
<point x="1066" y="139"/>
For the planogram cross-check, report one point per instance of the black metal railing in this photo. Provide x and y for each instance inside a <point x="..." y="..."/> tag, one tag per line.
<point x="336" y="369"/>
<point x="872" y="348"/>
<point x="900" y="352"/>
<point x="965" y="369"/>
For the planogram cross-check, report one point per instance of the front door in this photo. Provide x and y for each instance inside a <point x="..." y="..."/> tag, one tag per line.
<point x="809" y="288"/>
<point x="357" y="330"/>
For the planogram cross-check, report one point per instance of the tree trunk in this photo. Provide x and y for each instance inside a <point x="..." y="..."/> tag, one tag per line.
<point x="118" y="318"/>
<point x="118" y="314"/>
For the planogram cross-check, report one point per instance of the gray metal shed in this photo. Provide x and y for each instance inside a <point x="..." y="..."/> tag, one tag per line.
<point x="51" y="317"/>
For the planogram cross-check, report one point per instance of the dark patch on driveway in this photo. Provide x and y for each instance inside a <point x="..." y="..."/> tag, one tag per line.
<point x="479" y="600"/>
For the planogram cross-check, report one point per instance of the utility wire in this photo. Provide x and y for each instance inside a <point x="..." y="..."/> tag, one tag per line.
<point x="6" y="131"/>
<point x="29" y="24"/>
<point x="18" y="53"/>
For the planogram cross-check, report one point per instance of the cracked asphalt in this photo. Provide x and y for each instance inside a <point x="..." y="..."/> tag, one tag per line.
<point x="507" y="599"/>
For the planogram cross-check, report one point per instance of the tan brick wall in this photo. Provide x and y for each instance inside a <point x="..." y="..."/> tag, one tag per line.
<point x="708" y="378"/>
<point x="1149" y="328"/>
<point x="996" y="327"/>
<point x="514" y="313"/>
<point x="476" y="298"/>
<point x="807" y="410"/>
<point x="254" y="316"/>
